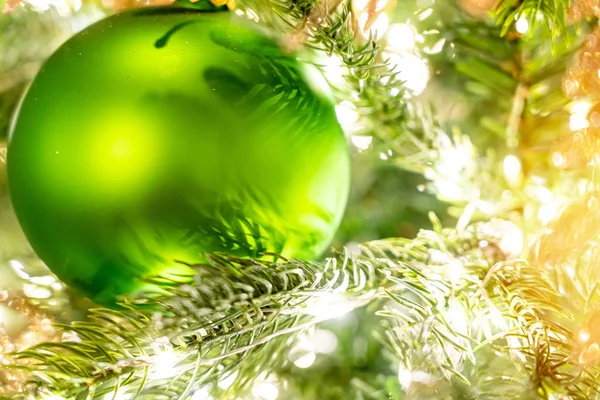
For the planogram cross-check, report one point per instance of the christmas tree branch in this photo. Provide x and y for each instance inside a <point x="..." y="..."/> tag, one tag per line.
<point x="553" y="14"/>
<point x="495" y="329"/>
<point x="234" y="307"/>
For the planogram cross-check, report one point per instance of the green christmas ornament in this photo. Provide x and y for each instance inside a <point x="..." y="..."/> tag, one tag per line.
<point x="158" y="135"/>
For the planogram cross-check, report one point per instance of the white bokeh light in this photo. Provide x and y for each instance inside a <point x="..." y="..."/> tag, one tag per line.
<point x="412" y="70"/>
<point x="512" y="169"/>
<point x="305" y="360"/>
<point x="579" y="113"/>
<point x="227" y="381"/>
<point x="361" y="142"/>
<point x="346" y="113"/>
<point x="522" y="25"/>
<point x="265" y="391"/>
<point x="401" y="37"/>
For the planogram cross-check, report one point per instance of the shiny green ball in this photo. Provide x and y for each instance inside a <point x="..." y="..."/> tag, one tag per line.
<point x="158" y="135"/>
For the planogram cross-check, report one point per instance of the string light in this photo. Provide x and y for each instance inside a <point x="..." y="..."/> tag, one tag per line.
<point x="579" y="115"/>
<point x="404" y="377"/>
<point x="202" y="394"/>
<point x="329" y="306"/>
<point x="361" y="142"/>
<point x="412" y="70"/>
<point x="346" y="113"/>
<point x="226" y="382"/>
<point x="305" y="360"/>
<point x="324" y="341"/>
<point x="265" y="391"/>
<point x="512" y="169"/>
<point x="522" y="25"/>
<point x="164" y="364"/>
<point x="401" y="37"/>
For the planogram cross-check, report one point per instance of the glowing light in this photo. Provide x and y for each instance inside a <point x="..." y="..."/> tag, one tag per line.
<point x="19" y="269"/>
<point x="455" y="269"/>
<point x="324" y="341"/>
<point x="265" y="391"/>
<point x="346" y="113"/>
<point x="579" y="112"/>
<point x="449" y="189"/>
<point x="36" y="292"/>
<point x="590" y="355"/>
<point x="543" y="194"/>
<point x="250" y="13"/>
<point x="43" y="280"/>
<point x="227" y="381"/>
<point x="512" y="240"/>
<point x="436" y="48"/>
<point x="425" y="14"/>
<point x="412" y="70"/>
<point x="377" y="28"/>
<point x="361" y="142"/>
<point x="512" y="169"/>
<point x="404" y="377"/>
<point x="457" y="316"/>
<point x="558" y="160"/>
<point x="328" y="306"/>
<point x="522" y="25"/>
<point x="584" y="335"/>
<point x="164" y="364"/>
<point x="547" y="212"/>
<point x="332" y="68"/>
<point x="202" y="394"/>
<point x="401" y="37"/>
<point x="70" y="336"/>
<point x="305" y="360"/>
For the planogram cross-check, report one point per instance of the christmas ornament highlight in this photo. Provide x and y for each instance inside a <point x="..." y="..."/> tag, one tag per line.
<point x="160" y="134"/>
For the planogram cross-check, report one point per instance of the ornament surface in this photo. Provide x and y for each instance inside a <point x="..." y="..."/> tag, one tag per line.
<point x="158" y="135"/>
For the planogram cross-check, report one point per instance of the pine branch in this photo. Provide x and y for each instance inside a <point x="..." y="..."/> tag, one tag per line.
<point x="235" y="307"/>
<point x="237" y="316"/>
<point x="479" y="326"/>
<point x="553" y="14"/>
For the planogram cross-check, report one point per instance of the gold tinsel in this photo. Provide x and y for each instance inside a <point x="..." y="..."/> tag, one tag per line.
<point x="584" y="8"/>
<point x="569" y="234"/>
<point x="39" y="328"/>
<point x="582" y="79"/>
<point x="579" y="149"/>
<point x="586" y="349"/>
